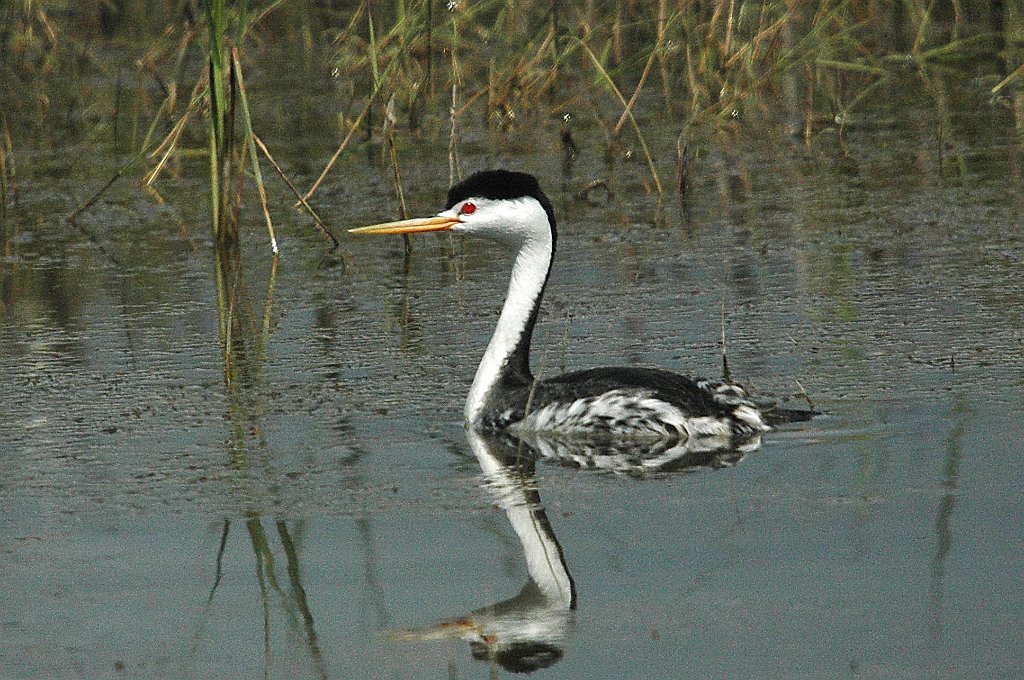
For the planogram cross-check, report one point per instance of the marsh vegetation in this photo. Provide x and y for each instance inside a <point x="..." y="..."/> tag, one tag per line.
<point x="157" y="83"/>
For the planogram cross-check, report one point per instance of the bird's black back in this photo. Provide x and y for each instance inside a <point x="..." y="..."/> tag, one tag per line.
<point x="515" y="399"/>
<point x="667" y="386"/>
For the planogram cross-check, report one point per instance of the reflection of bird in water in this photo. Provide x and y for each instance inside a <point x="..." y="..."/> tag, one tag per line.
<point x="528" y="631"/>
<point x="509" y="207"/>
<point x="531" y="630"/>
<point x="632" y="457"/>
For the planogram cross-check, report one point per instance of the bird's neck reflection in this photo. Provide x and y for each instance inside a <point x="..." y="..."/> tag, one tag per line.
<point x="529" y="631"/>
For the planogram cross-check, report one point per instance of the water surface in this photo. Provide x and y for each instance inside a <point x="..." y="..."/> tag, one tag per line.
<point x="314" y="508"/>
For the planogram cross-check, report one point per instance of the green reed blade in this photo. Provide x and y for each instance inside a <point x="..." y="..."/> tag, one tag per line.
<point x="251" y="145"/>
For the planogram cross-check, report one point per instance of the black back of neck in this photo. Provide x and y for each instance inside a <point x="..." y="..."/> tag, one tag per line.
<point x="508" y="185"/>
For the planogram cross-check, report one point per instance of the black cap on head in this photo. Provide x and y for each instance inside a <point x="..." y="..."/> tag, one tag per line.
<point x="501" y="185"/>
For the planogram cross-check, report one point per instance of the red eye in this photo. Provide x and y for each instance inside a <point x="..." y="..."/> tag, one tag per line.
<point x="468" y="208"/>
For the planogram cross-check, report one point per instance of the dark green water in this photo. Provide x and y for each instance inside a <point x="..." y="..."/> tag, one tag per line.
<point x="160" y="523"/>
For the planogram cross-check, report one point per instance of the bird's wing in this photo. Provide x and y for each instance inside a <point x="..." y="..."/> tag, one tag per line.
<point x="689" y="395"/>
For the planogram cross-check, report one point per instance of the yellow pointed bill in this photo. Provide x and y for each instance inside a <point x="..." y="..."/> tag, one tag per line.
<point x="413" y="226"/>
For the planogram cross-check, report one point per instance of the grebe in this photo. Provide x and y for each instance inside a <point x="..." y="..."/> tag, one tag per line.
<point x="510" y="208"/>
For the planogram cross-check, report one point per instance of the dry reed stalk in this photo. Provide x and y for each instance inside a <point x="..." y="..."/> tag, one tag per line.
<point x="515" y="76"/>
<point x="169" y="144"/>
<point x="7" y="171"/>
<point x="726" y="375"/>
<point x="348" y="137"/>
<point x="636" y="127"/>
<point x="807" y="397"/>
<point x="809" y="114"/>
<point x="454" y="169"/>
<point x="636" y="93"/>
<point x="660" y="47"/>
<point x="3" y="181"/>
<point x="716" y="17"/>
<point x="239" y="184"/>
<point x="617" y="35"/>
<point x="683" y="164"/>
<point x="728" y="27"/>
<point x="390" y="120"/>
<point x="691" y="78"/>
<point x="430" y="46"/>
<point x="120" y="172"/>
<point x="316" y="218"/>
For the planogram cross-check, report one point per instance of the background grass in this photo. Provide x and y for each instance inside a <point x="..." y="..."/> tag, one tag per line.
<point x="111" y="72"/>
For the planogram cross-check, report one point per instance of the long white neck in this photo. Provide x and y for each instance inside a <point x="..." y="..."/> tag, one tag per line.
<point x="520" y="501"/>
<point x="508" y="354"/>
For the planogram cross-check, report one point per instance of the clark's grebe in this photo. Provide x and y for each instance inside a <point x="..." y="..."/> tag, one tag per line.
<point x="510" y="208"/>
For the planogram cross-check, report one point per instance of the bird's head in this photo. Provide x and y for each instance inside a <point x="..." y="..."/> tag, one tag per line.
<point x="499" y="205"/>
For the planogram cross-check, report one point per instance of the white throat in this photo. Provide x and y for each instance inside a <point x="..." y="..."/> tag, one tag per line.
<point x="529" y="274"/>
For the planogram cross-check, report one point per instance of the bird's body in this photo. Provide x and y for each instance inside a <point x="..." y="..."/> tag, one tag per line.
<point x="510" y="208"/>
<point x="614" y="401"/>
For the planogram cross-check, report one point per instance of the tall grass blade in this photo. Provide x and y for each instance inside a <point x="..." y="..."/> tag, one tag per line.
<point x="606" y="77"/>
<point x="1009" y="80"/>
<point x="250" y="143"/>
<point x="216" y="16"/>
